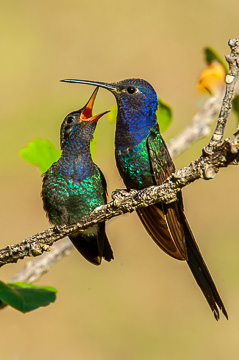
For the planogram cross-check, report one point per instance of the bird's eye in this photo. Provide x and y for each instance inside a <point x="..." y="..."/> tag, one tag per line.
<point x="131" y="89"/>
<point x="70" y="120"/>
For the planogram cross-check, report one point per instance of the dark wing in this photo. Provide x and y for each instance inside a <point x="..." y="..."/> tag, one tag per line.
<point x="104" y="183"/>
<point x="107" y="251"/>
<point x="163" y="222"/>
<point x="154" y="221"/>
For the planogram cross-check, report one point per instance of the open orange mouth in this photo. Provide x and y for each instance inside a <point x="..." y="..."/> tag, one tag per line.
<point x="86" y="112"/>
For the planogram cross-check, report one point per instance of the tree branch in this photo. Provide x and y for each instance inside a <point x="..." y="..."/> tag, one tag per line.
<point x="216" y="155"/>
<point x="38" y="266"/>
<point x="124" y="201"/>
<point x="231" y="79"/>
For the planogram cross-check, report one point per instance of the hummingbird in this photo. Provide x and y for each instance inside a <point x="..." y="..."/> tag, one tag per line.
<point x="74" y="185"/>
<point x="143" y="160"/>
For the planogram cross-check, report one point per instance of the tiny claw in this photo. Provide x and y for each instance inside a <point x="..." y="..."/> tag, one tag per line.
<point x="119" y="194"/>
<point x="57" y="229"/>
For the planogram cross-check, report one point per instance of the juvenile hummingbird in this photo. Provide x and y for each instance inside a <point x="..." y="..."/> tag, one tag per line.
<point x="143" y="160"/>
<point x="74" y="186"/>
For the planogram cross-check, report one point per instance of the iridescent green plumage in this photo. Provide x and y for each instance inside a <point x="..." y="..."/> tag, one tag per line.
<point x="74" y="186"/>
<point x="77" y="198"/>
<point x="135" y="163"/>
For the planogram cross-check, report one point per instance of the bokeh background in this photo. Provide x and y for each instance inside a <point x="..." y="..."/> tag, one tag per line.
<point x="143" y="305"/>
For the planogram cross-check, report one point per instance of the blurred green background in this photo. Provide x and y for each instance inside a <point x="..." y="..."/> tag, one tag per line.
<point x="143" y="305"/>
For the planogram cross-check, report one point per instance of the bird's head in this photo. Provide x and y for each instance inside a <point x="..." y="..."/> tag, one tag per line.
<point x="81" y="123"/>
<point x="134" y="96"/>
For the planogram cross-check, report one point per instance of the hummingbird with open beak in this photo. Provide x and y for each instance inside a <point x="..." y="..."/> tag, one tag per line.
<point x="74" y="185"/>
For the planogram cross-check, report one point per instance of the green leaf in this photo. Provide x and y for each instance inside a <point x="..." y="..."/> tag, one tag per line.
<point x="164" y="115"/>
<point x="112" y="115"/>
<point x="41" y="153"/>
<point x="26" y="297"/>
<point x="92" y="145"/>
<point x="235" y="106"/>
<point x="211" y="55"/>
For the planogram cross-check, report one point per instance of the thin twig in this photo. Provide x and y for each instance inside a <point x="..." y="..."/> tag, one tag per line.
<point x="38" y="266"/>
<point x="231" y="79"/>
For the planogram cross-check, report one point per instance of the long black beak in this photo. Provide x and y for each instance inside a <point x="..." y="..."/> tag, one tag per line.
<point x="111" y="87"/>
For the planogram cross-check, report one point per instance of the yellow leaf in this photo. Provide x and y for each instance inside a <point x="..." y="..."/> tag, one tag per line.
<point x="211" y="78"/>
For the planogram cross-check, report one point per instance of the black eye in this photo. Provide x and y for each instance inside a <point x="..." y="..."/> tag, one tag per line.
<point x="70" y="120"/>
<point x="131" y="89"/>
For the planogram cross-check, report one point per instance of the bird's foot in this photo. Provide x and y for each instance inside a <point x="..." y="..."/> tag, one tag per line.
<point x="119" y="194"/>
<point x="57" y="229"/>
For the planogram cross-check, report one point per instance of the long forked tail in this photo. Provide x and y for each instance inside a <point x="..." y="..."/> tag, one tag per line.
<point x="163" y="226"/>
<point x="201" y="273"/>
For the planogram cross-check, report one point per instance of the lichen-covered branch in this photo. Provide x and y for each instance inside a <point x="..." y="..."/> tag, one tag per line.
<point x="38" y="266"/>
<point x="216" y="155"/>
<point x="124" y="201"/>
<point x="231" y="79"/>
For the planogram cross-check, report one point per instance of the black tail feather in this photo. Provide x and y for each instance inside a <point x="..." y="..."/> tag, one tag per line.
<point x="93" y="246"/>
<point x="201" y="274"/>
<point x="87" y="246"/>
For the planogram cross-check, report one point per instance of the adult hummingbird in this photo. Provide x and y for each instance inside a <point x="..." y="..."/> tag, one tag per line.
<point x="74" y="185"/>
<point x="143" y="160"/>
